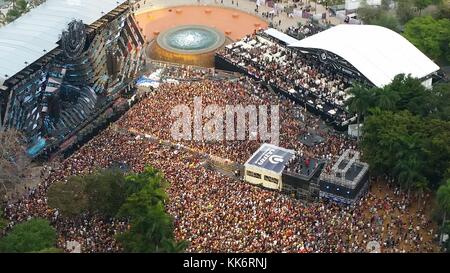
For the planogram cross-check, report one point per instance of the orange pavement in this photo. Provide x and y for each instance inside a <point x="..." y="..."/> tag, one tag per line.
<point x="234" y="23"/>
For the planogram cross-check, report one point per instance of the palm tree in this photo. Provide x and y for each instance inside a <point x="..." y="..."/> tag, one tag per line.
<point x="385" y="98"/>
<point x="360" y="101"/>
<point x="420" y="186"/>
<point x="407" y="168"/>
<point x="443" y="199"/>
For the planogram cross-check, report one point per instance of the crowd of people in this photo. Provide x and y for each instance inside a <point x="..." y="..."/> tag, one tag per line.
<point x="303" y="31"/>
<point x="291" y="71"/>
<point x="217" y="213"/>
<point x="301" y="164"/>
<point x="153" y="116"/>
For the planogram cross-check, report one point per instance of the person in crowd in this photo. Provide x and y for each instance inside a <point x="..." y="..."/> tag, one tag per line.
<point x="214" y="212"/>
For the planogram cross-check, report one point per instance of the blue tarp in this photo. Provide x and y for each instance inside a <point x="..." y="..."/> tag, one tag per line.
<point x="37" y="147"/>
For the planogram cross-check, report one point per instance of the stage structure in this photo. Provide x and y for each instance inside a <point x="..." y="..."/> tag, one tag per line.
<point x="347" y="179"/>
<point x="67" y="79"/>
<point x="266" y="166"/>
<point x="282" y="169"/>
<point x="361" y="52"/>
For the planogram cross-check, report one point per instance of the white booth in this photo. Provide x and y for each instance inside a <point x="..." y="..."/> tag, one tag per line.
<point x="265" y="167"/>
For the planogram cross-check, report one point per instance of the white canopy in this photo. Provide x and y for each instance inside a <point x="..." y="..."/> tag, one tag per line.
<point x="37" y="32"/>
<point x="280" y="36"/>
<point x="377" y="52"/>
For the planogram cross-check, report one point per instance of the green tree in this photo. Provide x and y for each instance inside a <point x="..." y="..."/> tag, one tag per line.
<point x="360" y="101"/>
<point x="420" y="186"/>
<point x="172" y="246"/>
<point x="3" y="222"/>
<point x="369" y="14"/>
<point x="443" y="199"/>
<point x="380" y="16"/>
<point x="19" y="7"/>
<point x="405" y="10"/>
<point x="32" y="235"/>
<point x="409" y="94"/>
<point x="421" y="4"/>
<point x="22" y="6"/>
<point x="136" y="182"/>
<point x="151" y="227"/>
<point x="441" y="100"/>
<point x="69" y="198"/>
<point x="385" y="99"/>
<point x="408" y="167"/>
<point x="443" y="11"/>
<point x="388" y="21"/>
<point x="435" y="144"/>
<point x="382" y="135"/>
<point x="431" y="36"/>
<point x="105" y="191"/>
<point x="385" y="4"/>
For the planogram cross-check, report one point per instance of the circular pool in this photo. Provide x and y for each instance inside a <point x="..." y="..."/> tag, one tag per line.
<point x="191" y="39"/>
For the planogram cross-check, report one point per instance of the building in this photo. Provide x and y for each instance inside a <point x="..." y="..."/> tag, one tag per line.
<point x="361" y="51"/>
<point x="63" y="64"/>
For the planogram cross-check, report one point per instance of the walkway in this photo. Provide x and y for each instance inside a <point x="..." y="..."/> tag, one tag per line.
<point x="244" y="5"/>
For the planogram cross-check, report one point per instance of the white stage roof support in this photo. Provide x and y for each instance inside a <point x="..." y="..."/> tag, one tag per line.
<point x="377" y="52"/>
<point x="280" y="36"/>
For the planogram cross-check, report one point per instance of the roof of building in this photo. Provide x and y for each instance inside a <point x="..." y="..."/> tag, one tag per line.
<point x="280" y="36"/>
<point x="377" y="52"/>
<point x="37" y="32"/>
<point x="270" y="157"/>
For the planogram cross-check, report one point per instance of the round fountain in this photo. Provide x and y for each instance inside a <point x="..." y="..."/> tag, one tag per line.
<point x="189" y="44"/>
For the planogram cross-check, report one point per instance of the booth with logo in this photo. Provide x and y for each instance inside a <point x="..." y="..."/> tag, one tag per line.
<point x="265" y="167"/>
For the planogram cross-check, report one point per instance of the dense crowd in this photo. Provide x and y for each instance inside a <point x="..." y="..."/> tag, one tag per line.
<point x="153" y="116"/>
<point x="303" y="31"/>
<point x="216" y="213"/>
<point x="290" y="70"/>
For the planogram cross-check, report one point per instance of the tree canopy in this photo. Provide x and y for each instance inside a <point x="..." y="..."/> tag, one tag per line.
<point x="101" y="192"/>
<point x="151" y="228"/>
<point x="431" y="36"/>
<point x="70" y="197"/>
<point x="379" y="16"/>
<point x="14" y="162"/>
<point x="19" y="7"/>
<point x="406" y="132"/>
<point x="3" y="221"/>
<point x="136" y="197"/>
<point x="105" y="191"/>
<point x="30" y="236"/>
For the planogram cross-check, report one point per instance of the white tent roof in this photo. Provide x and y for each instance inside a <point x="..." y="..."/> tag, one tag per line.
<point x="280" y="36"/>
<point x="377" y="52"/>
<point x="26" y="38"/>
